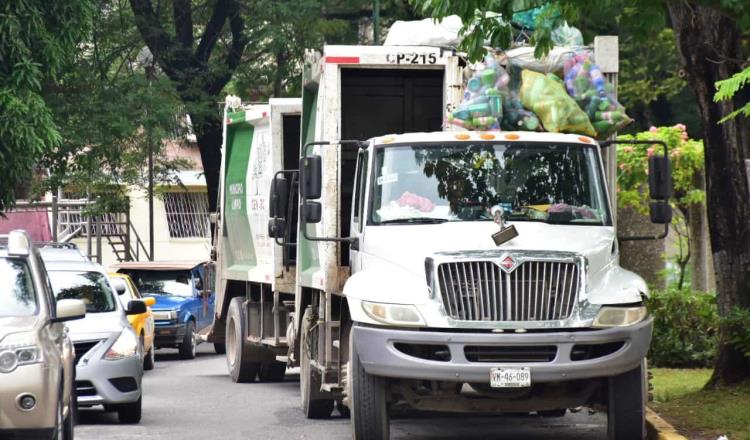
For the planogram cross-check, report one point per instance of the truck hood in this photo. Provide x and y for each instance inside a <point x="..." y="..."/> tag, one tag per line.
<point x="168" y="302"/>
<point x="16" y="324"/>
<point x="96" y="326"/>
<point x="407" y="246"/>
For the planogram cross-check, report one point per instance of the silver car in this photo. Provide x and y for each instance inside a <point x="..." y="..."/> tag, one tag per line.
<point x="107" y="352"/>
<point x="36" y="355"/>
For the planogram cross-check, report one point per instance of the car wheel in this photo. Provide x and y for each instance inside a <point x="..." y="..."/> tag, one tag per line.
<point x="241" y="369"/>
<point x="142" y="349"/>
<point x="129" y="412"/>
<point x="187" y="347"/>
<point x="220" y="348"/>
<point x="149" y="360"/>
<point x="309" y="380"/>
<point x="626" y="406"/>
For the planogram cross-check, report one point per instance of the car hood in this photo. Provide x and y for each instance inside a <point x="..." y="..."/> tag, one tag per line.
<point x="96" y="326"/>
<point x="168" y="302"/>
<point x="16" y="324"/>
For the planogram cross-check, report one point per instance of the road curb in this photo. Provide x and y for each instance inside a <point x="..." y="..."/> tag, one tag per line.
<point x="659" y="429"/>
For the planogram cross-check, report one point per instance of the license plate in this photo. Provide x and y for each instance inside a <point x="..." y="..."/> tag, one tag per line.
<point x="517" y="377"/>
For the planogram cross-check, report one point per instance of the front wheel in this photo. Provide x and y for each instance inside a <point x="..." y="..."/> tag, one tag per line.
<point x="129" y="412"/>
<point x="187" y="347"/>
<point x="369" y="407"/>
<point x="626" y="406"/>
<point x="150" y="360"/>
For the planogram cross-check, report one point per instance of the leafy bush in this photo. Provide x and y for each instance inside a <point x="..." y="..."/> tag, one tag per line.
<point x="685" y="328"/>
<point x="737" y="321"/>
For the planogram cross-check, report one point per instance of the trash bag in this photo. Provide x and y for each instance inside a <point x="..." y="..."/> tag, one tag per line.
<point x="585" y="83"/>
<point x="545" y="95"/>
<point x="568" y="36"/>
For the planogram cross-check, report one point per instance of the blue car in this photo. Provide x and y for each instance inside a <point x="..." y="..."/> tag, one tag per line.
<point x="184" y="293"/>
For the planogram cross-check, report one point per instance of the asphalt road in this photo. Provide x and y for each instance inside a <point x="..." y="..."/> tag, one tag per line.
<point x="186" y="400"/>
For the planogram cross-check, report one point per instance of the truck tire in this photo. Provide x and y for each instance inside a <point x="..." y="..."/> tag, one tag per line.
<point x="309" y="381"/>
<point x="369" y="408"/>
<point x="220" y="348"/>
<point x="238" y="352"/>
<point x="272" y="372"/>
<point x="187" y="347"/>
<point x="626" y="406"/>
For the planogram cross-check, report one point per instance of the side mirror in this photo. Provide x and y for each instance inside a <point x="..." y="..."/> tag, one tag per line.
<point x="69" y="309"/>
<point x="119" y="285"/>
<point x="659" y="178"/>
<point x="149" y="301"/>
<point x="311" y="212"/>
<point x="311" y="180"/>
<point x="276" y="227"/>
<point x="279" y="197"/>
<point x="136" y="307"/>
<point x="660" y="212"/>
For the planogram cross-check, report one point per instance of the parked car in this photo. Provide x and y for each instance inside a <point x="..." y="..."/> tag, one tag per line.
<point x="108" y="359"/>
<point x="143" y="324"/>
<point x="184" y="296"/>
<point x="37" y="369"/>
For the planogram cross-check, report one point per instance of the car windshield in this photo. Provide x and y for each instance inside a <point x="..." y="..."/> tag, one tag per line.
<point x="90" y="287"/>
<point x="435" y="183"/>
<point x="163" y="282"/>
<point x="17" y="294"/>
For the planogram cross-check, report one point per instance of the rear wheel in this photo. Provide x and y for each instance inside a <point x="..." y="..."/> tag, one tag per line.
<point x="370" y="420"/>
<point x="626" y="406"/>
<point x="309" y="380"/>
<point x="272" y="372"/>
<point x="129" y="412"/>
<point x="238" y="353"/>
<point x="187" y="347"/>
<point x="149" y="360"/>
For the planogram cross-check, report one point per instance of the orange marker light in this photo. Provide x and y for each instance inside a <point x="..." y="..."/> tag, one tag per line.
<point x="585" y="139"/>
<point x="462" y="136"/>
<point x="512" y="136"/>
<point x="487" y="136"/>
<point x="387" y="140"/>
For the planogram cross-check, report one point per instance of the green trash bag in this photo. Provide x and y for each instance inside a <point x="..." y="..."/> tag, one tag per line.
<point x="545" y="95"/>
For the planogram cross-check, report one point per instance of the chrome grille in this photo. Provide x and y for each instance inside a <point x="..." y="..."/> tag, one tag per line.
<point x="533" y="291"/>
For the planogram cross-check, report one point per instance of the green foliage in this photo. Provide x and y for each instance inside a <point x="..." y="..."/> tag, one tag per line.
<point x="737" y="324"/>
<point x="685" y="328"/>
<point x="37" y="40"/>
<point x="727" y="88"/>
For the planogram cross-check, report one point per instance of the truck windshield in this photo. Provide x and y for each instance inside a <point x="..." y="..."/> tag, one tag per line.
<point x="90" y="287"/>
<point x="17" y="295"/>
<point x="435" y="183"/>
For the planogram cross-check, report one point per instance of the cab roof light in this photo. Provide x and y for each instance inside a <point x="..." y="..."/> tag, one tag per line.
<point x="512" y="136"/>
<point x="462" y="136"/>
<point x="18" y="243"/>
<point x="487" y="136"/>
<point x="585" y="139"/>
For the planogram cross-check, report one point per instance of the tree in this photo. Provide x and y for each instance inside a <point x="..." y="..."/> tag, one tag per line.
<point x="37" y="39"/>
<point x="709" y="36"/>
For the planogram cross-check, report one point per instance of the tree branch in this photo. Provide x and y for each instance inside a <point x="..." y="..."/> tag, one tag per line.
<point x="212" y="32"/>
<point x="159" y="42"/>
<point x="233" y="56"/>
<point x="183" y="22"/>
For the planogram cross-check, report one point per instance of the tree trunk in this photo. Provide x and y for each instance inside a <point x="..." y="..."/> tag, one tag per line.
<point x="698" y="241"/>
<point x="209" y="143"/>
<point x="709" y="45"/>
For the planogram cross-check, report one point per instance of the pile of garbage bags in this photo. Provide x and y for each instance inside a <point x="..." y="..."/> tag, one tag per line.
<point x="566" y="95"/>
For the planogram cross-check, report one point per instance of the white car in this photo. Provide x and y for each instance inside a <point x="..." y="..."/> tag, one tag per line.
<point x="108" y="358"/>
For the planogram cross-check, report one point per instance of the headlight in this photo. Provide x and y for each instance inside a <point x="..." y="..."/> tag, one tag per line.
<point x="609" y="316"/>
<point x="394" y="314"/>
<point x="125" y="346"/>
<point x="165" y="315"/>
<point x="11" y="358"/>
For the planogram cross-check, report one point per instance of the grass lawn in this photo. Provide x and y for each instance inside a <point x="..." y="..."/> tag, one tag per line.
<point x="699" y="414"/>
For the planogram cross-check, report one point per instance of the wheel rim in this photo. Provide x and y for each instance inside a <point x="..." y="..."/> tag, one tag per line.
<point x="231" y="344"/>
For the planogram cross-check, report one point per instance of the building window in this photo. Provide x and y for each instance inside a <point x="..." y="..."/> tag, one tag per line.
<point x="187" y="214"/>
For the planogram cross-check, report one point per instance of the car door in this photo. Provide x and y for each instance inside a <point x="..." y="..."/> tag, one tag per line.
<point x="202" y="313"/>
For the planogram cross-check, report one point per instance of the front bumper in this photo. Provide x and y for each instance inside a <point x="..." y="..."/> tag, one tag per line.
<point x="167" y="335"/>
<point x="99" y="381"/>
<point x="41" y="382"/>
<point x="380" y="357"/>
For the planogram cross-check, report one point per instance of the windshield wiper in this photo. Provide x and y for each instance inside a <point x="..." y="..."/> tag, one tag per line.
<point x="414" y="220"/>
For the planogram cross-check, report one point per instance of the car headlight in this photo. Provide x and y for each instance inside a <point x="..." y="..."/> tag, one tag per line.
<point x="394" y="314"/>
<point x="13" y="357"/>
<point x="165" y="315"/>
<point x="125" y="346"/>
<point x="610" y="316"/>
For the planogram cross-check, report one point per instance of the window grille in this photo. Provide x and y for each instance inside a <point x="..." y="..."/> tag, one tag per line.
<point x="187" y="214"/>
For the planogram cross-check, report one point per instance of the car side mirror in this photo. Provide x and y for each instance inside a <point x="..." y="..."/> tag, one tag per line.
<point x="660" y="212"/>
<point x="659" y="178"/>
<point x="119" y="285"/>
<point x="311" y="176"/>
<point x="312" y="212"/>
<point x="136" y="307"/>
<point x="69" y="310"/>
<point x="279" y="197"/>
